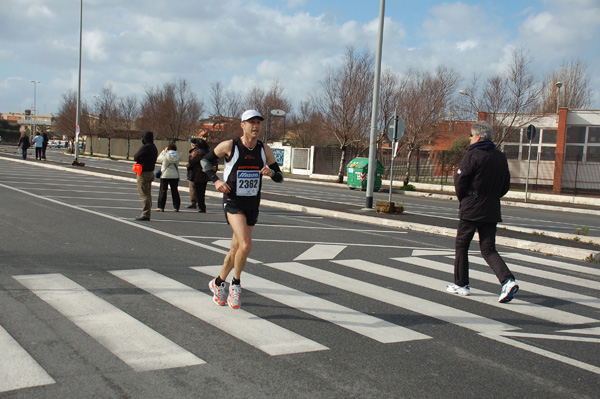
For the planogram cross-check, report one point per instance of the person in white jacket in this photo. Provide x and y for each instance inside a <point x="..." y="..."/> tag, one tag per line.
<point x="169" y="177"/>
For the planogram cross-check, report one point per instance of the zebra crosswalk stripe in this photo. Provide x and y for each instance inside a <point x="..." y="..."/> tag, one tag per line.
<point x="554" y="315"/>
<point x="260" y="333"/>
<point x="418" y="305"/>
<point x="17" y="368"/>
<point x="136" y="344"/>
<point x="360" y="323"/>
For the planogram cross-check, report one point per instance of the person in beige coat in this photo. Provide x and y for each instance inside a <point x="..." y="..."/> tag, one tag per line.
<point x="169" y="177"/>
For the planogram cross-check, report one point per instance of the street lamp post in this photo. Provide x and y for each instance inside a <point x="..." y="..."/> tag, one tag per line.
<point x="35" y="82"/>
<point x="77" y="130"/>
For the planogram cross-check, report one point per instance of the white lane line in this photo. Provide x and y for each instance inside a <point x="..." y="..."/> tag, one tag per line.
<point x="517" y="306"/>
<point x="363" y="324"/>
<point x="321" y="251"/>
<point x="580" y="299"/>
<point x="259" y="333"/>
<point x="17" y="368"/>
<point x="133" y="342"/>
<point x="435" y="310"/>
<point x="131" y="223"/>
<point x="553" y="263"/>
<point x="561" y="278"/>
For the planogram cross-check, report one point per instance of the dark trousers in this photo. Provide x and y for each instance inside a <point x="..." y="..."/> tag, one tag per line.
<point x="162" y="193"/>
<point x="38" y="152"/>
<point x="200" y="191"/>
<point x="487" y="244"/>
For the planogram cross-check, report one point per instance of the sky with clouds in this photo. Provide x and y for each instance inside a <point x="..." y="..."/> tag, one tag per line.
<point x="136" y="44"/>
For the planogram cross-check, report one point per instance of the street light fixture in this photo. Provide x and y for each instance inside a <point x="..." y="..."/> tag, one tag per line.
<point x="558" y="86"/>
<point x="35" y="82"/>
<point x="466" y="93"/>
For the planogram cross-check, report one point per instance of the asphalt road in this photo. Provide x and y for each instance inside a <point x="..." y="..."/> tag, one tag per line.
<point x="95" y="304"/>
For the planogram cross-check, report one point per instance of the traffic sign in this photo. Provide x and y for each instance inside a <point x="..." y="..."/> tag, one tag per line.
<point x="531" y="132"/>
<point x="399" y="131"/>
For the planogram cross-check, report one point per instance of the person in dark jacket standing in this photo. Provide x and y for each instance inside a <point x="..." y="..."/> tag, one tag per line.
<point x="199" y="178"/>
<point x="24" y="144"/>
<point x="191" y="175"/>
<point x="146" y="156"/>
<point x="482" y="179"/>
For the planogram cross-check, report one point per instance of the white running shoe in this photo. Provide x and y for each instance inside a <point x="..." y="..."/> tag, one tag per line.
<point x="509" y="289"/>
<point x="234" y="300"/>
<point x="457" y="289"/>
<point x="218" y="292"/>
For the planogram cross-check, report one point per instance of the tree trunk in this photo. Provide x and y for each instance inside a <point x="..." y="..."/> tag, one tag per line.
<point x="407" y="176"/>
<point x="342" y="164"/>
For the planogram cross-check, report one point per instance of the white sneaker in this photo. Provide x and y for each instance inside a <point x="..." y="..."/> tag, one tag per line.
<point x="509" y="289"/>
<point x="234" y="300"/>
<point x="218" y="292"/>
<point x="457" y="289"/>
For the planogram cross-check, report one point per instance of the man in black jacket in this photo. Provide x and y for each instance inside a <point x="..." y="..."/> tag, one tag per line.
<point x="482" y="179"/>
<point x="146" y="156"/>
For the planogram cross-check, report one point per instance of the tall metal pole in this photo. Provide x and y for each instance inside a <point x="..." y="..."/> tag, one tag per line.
<point x="35" y="82"/>
<point x="76" y="143"/>
<point x="375" y="113"/>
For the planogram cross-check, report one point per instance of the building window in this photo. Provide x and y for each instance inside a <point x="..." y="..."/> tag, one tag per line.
<point x="594" y="135"/>
<point x="576" y="134"/>
<point x="574" y="153"/>
<point x="593" y="154"/>
<point x="548" y="154"/>
<point x="525" y="154"/>
<point x="513" y="136"/>
<point x="549" y="136"/>
<point x="511" y="151"/>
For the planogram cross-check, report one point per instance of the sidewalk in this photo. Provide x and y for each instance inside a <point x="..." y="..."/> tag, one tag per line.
<point x="549" y="243"/>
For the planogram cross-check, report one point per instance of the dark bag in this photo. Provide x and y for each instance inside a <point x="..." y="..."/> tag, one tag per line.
<point x="158" y="174"/>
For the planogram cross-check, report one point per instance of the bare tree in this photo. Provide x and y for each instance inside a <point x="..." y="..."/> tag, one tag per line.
<point x="109" y="113"/>
<point x="307" y="127"/>
<point x="129" y="112"/>
<point x="67" y="115"/>
<point x="172" y="111"/>
<point x="575" y="92"/>
<point x="509" y="99"/>
<point x="424" y="101"/>
<point x="345" y="102"/>
<point x="389" y="99"/>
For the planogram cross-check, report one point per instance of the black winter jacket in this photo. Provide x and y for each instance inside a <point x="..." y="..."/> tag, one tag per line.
<point x="482" y="179"/>
<point x="147" y="154"/>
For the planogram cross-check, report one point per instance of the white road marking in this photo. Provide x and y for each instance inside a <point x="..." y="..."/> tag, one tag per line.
<point x="260" y="333"/>
<point x="17" y="368"/>
<point x="360" y="323"/>
<point x="133" y="342"/>
<point x="553" y="263"/>
<point x="561" y="278"/>
<point x="516" y="305"/>
<point x="321" y="252"/>
<point x="418" y="305"/>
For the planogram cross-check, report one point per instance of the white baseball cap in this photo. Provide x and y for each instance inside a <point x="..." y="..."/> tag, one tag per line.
<point x="251" y="113"/>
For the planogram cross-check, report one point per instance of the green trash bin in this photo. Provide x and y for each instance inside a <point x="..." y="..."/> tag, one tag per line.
<point x="358" y="171"/>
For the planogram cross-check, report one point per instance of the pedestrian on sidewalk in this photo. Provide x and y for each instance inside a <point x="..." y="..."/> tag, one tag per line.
<point x="24" y="144"/>
<point x="45" y="145"/>
<point x="246" y="160"/>
<point x="190" y="175"/>
<point x="146" y="156"/>
<point x="38" y="142"/>
<point x="197" y="175"/>
<point x="169" y="177"/>
<point x="482" y="179"/>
